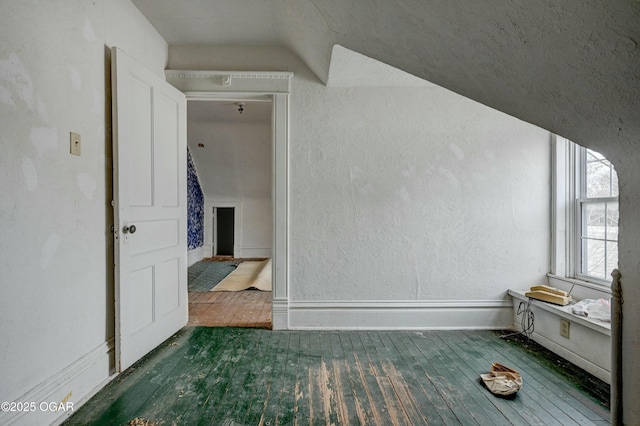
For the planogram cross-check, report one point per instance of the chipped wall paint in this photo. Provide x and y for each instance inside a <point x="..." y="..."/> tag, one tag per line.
<point x="195" y="207"/>
<point x="30" y="174"/>
<point x="49" y="250"/>
<point x="14" y="75"/>
<point x="76" y="79"/>
<point x="87" y="185"/>
<point x="44" y="139"/>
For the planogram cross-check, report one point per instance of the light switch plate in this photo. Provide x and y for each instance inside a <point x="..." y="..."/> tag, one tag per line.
<point x="76" y="143"/>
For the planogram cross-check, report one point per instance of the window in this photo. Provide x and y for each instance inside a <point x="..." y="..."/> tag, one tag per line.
<point x="585" y="215"/>
<point x="597" y="208"/>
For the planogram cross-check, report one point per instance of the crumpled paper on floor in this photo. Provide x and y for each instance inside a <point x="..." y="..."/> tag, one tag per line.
<point x="502" y="380"/>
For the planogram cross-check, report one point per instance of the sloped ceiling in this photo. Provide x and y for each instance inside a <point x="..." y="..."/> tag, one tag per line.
<point x="570" y="67"/>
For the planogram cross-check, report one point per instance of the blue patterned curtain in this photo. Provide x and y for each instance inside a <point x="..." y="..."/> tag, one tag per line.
<point x="195" y="207"/>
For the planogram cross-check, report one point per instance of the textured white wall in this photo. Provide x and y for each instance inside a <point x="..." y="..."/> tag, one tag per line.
<point x="56" y="255"/>
<point x="413" y="194"/>
<point x="404" y="193"/>
<point x="235" y="165"/>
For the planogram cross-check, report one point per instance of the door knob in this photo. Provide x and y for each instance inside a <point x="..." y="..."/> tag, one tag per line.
<point x="129" y="229"/>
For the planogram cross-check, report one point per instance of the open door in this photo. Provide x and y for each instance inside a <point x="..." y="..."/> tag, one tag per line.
<point x="150" y="209"/>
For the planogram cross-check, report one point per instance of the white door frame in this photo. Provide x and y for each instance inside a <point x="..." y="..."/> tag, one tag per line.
<point x="240" y="85"/>
<point x="211" y="226"/>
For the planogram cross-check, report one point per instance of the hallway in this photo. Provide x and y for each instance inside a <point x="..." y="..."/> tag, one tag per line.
<point x="248" y="308"/>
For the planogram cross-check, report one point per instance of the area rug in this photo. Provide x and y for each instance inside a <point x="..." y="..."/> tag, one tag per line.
<point x="248" y="275"/>
<point x="204" y="275"/>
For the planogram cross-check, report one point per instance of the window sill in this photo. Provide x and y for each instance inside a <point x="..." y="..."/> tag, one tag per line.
<point x="564" y="312"/>
<point x="579" y="289"/>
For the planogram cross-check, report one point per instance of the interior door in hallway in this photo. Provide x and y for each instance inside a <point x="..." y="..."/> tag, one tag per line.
<point x="225" y="231"/>
<point x="149" y="148"/>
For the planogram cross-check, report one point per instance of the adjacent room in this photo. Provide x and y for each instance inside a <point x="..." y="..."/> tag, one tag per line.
<point x="230" y="212"/>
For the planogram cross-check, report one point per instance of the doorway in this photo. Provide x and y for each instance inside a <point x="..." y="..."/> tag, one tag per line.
<point x="224" y="227"/>
<point x="211" y="85"/>
<point x="231" y="142"/>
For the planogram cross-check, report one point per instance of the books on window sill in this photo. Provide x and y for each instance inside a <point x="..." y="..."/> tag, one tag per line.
<point x="549" y="294"/>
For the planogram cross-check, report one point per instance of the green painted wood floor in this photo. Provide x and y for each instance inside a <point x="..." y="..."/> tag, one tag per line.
<point x="235" y="376"/>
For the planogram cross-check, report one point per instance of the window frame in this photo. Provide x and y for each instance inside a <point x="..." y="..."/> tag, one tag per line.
<point x="568" y="187"/>
<point x="581" y="201"/>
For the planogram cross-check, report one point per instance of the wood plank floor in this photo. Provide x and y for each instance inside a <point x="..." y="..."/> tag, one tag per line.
<point x="248" y="308"/>
<point x="241" y="376"/>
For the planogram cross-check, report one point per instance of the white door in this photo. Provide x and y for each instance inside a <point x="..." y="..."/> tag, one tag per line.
<point x="150" y="181"/>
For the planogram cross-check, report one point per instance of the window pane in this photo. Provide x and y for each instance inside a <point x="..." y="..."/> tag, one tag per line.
<point x="601" y="177"/>
<point x="613" y="215"/>
<point x="612" y="258"/>
<point x="593" y="258"/>
<point x="593" y="218"/>
<point x="598" y="179"/>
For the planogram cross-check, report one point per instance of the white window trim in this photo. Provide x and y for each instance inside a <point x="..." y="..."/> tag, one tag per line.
<point x="565" y="219"/>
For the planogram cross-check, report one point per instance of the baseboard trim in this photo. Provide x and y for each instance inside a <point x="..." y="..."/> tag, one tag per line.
<point x="76" y="383"/>
<point x="195" y="255"/>
<point x="400" y="315"/>
<point x="280" y="314"/>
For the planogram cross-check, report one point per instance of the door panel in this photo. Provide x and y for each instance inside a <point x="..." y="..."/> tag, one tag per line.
<point x="158" y="234"/>
<point x="149" y="144"/>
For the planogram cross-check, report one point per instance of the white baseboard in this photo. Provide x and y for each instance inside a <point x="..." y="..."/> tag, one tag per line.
<point x="195" y="255"/>
<point x="400" y="315"/>
<point x="280" y="314"/>
<point x="74" y="384"/>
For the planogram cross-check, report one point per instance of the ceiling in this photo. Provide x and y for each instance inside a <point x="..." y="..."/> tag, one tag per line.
<point x="214" y="21"/>
<point x="570" y="67"/>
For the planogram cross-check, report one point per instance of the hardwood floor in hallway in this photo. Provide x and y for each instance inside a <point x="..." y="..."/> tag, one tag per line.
<point x="248" y="308"/>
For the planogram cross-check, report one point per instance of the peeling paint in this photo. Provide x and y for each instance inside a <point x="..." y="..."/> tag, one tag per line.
<point x="13" y="71"/>
<point x="367" y="190"/>
<point x="457" y="151"/>
<point x="44" y="139"/>
<point x="315" y="156"/>
<point x="42" y="111"/>
<point x="451" y="177"/>
<point x="87" y="31"/>
<point x="489" y="155"/>
<point x="97" y="103"/>
<point x="30" y="174"/>
<point x="87" y="185"/>
<point x="403" y="194"/>
<point x="49" y="250"/>
<point x="409" y="173"/>
<point x="5" y="96"/>
<point x="76" y="79"/>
